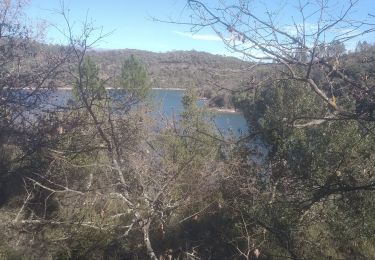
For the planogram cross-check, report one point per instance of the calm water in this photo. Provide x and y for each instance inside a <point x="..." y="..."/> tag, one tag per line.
<point x="168" y="105"/>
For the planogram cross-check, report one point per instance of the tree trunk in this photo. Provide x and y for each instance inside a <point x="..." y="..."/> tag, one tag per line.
<point x="146" y="239"/>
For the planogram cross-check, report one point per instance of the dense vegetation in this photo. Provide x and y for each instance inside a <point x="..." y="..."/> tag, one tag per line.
<point x="95" y="180"/>
<point x="213" y="75"/>
<point x="179" y="69"/>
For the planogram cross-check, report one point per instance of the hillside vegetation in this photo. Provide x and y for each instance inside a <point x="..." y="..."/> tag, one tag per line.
<point x="104" y="178"/>
<point x="179" y="69"/>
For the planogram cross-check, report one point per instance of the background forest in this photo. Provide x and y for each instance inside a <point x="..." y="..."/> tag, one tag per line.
<point x="95" y="180"/>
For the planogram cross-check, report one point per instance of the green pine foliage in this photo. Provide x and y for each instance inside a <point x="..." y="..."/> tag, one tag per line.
<point x="314" y="173"/>
<point x="134" y="79"/>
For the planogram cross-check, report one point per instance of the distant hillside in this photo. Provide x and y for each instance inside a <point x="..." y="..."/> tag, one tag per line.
<point x="212" y="73"/>
<point x="180" y="69"/>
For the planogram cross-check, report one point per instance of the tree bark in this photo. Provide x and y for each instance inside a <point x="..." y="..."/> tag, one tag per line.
<point x="146" y="239"/>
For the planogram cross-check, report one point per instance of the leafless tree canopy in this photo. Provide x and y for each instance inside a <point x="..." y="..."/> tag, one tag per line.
<point x="301" y="38"/>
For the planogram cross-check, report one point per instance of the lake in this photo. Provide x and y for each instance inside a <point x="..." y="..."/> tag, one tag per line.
<point x="168" y="104"/>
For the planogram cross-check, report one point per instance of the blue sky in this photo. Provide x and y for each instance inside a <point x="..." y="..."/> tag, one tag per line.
<point x="132" y="25"/>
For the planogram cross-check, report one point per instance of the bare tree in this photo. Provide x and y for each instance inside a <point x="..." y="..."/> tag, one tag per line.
<point x="304" y="49"/>
<point x="28" y="72"/>
<point x="110" y="168"/>
<point x="300" y="46"/>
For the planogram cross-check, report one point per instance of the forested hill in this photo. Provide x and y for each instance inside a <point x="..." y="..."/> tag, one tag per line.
<point x="179" y="69"/>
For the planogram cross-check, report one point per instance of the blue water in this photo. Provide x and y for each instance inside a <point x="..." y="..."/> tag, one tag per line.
<point x="168" y="101"/>
<point x="168" y="104"/>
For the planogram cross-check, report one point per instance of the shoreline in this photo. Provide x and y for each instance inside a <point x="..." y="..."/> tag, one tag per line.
<point x="214" y="109"/>
<point x="181" y="89"/>
<point x="225" y="110"/>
